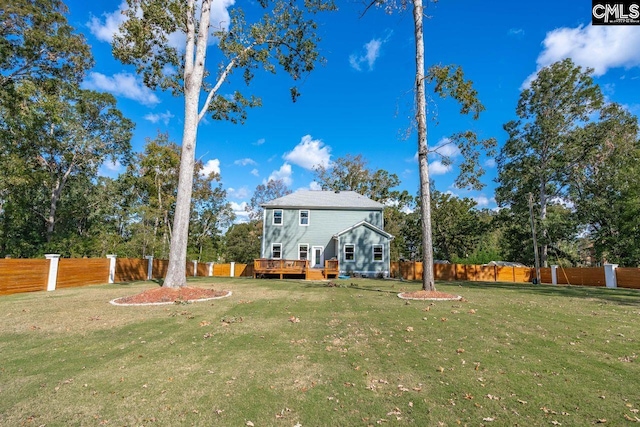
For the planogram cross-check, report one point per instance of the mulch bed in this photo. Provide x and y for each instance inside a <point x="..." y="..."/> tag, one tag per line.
<point x="429" y="296"/>
<point x="164" y="295"/>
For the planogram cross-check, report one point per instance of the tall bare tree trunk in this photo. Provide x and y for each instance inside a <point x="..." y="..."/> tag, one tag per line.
<point x="421" y="120"/>
<point x="195" y="55"/>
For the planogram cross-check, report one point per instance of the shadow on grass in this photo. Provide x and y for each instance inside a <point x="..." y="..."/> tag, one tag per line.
<point x="628" y="297"/>
<point x="621" y="296"/>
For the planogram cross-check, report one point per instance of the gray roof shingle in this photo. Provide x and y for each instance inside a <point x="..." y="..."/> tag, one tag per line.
<point x="324" y="199"/>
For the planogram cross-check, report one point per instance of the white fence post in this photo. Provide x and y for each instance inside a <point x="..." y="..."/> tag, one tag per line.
<point x="112" y="268"/>
<point x="233" y="269"/>
<point x="210" y="264"/>
<point x="195" y="268"/>
<point x="149" y="267"/>
<point x="52" y="280"/>
<point x="554" y="274"/>
<point x="610" y="275"/>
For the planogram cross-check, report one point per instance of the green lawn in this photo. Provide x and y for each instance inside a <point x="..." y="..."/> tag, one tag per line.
<point x="281" y="353"/>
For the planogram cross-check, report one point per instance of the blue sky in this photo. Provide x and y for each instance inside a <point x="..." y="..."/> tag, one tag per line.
<point x="361" y="101"/>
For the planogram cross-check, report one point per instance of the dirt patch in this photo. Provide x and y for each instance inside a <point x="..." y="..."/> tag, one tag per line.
<point x="429" y="296"/>
<point x="164" y="295"/>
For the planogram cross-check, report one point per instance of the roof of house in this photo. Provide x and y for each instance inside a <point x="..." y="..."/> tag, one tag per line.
<point x="324" y="199"/>
<point x="364" y="224"/>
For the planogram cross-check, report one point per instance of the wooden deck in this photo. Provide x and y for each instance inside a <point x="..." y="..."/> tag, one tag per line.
<point x="299" y="269"/>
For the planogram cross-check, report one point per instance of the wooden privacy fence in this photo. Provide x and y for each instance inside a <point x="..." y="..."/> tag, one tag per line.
<point x="29" y="275"/>
<point x="595" y="276"/>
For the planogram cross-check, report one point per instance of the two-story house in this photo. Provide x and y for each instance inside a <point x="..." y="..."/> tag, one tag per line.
<point x="324" y="232"/>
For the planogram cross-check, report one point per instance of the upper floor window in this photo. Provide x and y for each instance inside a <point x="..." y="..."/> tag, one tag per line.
<point x="349" y="252"/>
<point x="304" y="217"/>
<point x="277" y="217"/>
<point x="377" y="253"/>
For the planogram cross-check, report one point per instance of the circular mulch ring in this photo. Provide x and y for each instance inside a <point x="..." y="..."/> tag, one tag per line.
<point x="164" y="296"/>
<point x="429" y="296"/>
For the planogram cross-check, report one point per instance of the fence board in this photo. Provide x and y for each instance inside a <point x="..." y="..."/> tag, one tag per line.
<point x="23" y="275"/>
<point x="74" y="272"/>
<point x="189" y="269"/>
<point x="581" y="276"/>
<point x="545" y="275"/>
<point x="523" y="274"/>
<point x="444" y="272"/>
<point x="222" y="270"/>
<point x="628" y="278"/>
<point x="203" y="269"/>
<point x="243" y="270"/>
<point x="160" y="267"/>
<point x="130" y="269"/>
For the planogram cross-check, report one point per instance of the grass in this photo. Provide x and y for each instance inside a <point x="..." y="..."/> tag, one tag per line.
<point x="506" y="355"/>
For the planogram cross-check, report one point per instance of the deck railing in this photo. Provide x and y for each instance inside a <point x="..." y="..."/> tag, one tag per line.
<point x="280" y="265"/>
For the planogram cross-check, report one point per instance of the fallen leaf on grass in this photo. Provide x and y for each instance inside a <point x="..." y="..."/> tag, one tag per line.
<point x="409" y="328"/>
<point x="488" y="419"/>
<point x="601" y="421"/>
<point x="294" y="319"/>
<point x="249" y="424"/>
<point x="634" y="419"/>
<point x="205" y="323"/>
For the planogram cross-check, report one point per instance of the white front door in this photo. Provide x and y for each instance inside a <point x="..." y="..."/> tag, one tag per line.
<point x="317" y="257"/>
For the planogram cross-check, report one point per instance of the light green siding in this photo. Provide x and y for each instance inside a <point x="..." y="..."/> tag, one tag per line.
<point x="364" y="238"/>
<point x="323" y="225"/>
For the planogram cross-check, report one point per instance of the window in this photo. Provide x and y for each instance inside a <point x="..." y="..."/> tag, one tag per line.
<point x="277" y="217"/>
<point x="377" y="253"/>
<point x="303" y="251"/>
<point x="304" y="217"/>
<point x="276" y="251"/>
<point x="349" y="252"/>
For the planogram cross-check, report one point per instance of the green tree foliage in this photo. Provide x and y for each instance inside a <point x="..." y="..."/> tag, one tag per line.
<point x="351" y="173"/>
<point x="243" y="242"/>
<point x="37" y="44"/>
<point x="544" y="149"/>
<point x="282" y="35"/>
<point x="264" y="193"/>
<point x="606" y="190"/>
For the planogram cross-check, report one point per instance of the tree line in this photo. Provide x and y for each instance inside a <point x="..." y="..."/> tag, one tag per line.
<point x="569" y="149"/>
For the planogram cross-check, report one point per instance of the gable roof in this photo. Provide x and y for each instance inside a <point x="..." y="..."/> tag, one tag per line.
<point x="324" y="199"/>
<point x="364" y="224"/>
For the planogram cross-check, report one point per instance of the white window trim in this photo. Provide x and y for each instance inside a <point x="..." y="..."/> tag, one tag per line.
<point x="308" y="250"/>
<point x="373" y="252"/>
<point x="273" y="219"/>
<point x="300" y="217"/>
<point x="344" y="250"/>
<point x="274" y="244"/>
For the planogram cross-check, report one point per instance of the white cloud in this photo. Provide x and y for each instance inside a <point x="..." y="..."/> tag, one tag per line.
<point x="211" y="166"/>
<point x="260" y="141"/>
<point x="315" y="186"/>
<point x="255" y="172"/>
<point x="516" y="32"/>
<point x="104" y="30"/>
<point x="240" y="193"/>
<point x="597" y="47"/>
<point x="309" y="153"/>
<point x="482" y="201"/>
<point x="239" y="209"/>
<point x="444" y="148"/>
<point x="244" y="162"/>
<point x="490" y="163"/>
<point x="438" y="168"/>
<point x="125" y="85"/>
<point x="112" y="21"/>
<point x="284" y="174"/>
<point x="371" y="54"/>
<point x="159" y="117"/>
